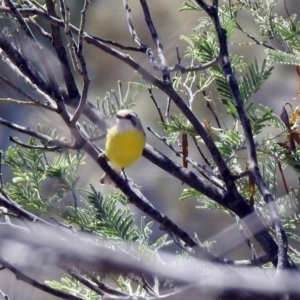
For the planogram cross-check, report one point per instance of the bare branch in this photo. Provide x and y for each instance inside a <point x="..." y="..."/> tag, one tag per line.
<point x="84" y="72"/>
<point x="118" y="45"/>
<point x="84" y="281"/>
<point x="157" y="42"/>
<point x="61" y="52"/>
<point x="156" y="105"/>
<point x="42" y="31"/>
<point x="38" y="135"/>
<point x="35" y="147"/>
<point x="108" y="290"/>
<point x="168" y="106"/>
<point x="56" y="247"/>
<point x="194" y="68"/>
<point x="32" y="101"/>
<point x="18" y="210"/>
<point x="135" y="197"/>
<point x="4" y="295"/>
<point x="39" y="50"/>
<point x="144" y="48"/>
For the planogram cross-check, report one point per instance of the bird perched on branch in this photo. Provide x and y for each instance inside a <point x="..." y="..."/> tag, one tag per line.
<point x="124" y="142"/>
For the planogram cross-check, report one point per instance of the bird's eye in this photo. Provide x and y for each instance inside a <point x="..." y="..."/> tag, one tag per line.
<point x="128" y="117"/>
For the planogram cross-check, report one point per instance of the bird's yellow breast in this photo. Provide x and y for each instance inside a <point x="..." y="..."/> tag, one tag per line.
<point x="124" y="148"/>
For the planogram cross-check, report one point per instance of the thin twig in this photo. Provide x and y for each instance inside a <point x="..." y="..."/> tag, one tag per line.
<point x="212" y="110"/>
<point x="208" y="174"/>
<point x="144" y="48"/>
<point x="200" y="152"/>
<point x="35" y="147"/>
<point x="60" y="50"/>
<point x="4" y="295"/>
<point x="32" y="75"/>
<point x="257" y="42"/>
<point x="156" y="105"/>
<point x="18" y="102"/>
<point x="104" y="287"/>
<point x="194" y="68"/>
<point x="168" y="106"/>
<point x="39" y="50"/>
<point x="21" y="92"/>
<point x="157" y="42"/>
<point x="72" y="45"/>
<point x="38" y="135"/>
<point x="42" y="31"/>
<point x="84" y="71"/>
<point x="84" y="281"/>
<point x="120" y="46"/>
<point x="256" y="262"/>
<point x="246" y="238"/>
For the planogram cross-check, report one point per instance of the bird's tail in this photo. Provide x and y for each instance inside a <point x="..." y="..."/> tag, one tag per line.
<point x="105" y="179"/>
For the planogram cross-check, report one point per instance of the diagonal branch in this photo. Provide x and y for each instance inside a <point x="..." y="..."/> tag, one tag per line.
<point x="201" y="67"/>
<point x="157" y="42"/>
<point x="31" y="101"/>
<point x="61" y="51"/>
<point x="37" y="48"/>
<point x="18" y="210"/>
<point x="84" y="71"/>
<point x="144" y="48"/>
<point x="38" y="135"/>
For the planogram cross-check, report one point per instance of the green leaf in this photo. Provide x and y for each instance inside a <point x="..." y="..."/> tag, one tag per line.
<point x="254" y="77"/>
<point x="113" y="102"/>
<point x="284" y="58"/>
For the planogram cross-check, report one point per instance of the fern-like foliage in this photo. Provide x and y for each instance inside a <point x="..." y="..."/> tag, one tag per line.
<point x="205" y="202"/>
<point x="114" y="101"/>
<point x="282" y="57"/>
<point x="97" y="213"/>
<point x="73" y="287"/>
<point x="31" y="168"/>
<point x="102" y="216"/>
<point x="107" y="219"/>
<point x="249" y="82"/>
<point x="262" y="13"/>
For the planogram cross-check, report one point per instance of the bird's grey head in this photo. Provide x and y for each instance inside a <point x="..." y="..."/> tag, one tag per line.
<point x="128" y="120"/>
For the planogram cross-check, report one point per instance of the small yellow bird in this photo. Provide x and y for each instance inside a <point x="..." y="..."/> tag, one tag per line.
<point x="124" y="142"/>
